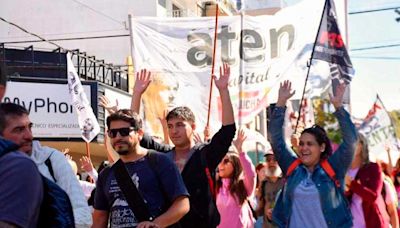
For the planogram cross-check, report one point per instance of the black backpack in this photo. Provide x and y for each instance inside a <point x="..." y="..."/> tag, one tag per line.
<point x="56" y="209"/>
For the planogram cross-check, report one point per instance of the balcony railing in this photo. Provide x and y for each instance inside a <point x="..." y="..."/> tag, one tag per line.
<point x="181" y="13"/>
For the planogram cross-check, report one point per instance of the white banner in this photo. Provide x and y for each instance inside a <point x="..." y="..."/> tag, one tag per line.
<point x="49" y="108"/>
<point x="86" y="119"/>
<point x="179" y="50"/>
<point x="378" y="129"/>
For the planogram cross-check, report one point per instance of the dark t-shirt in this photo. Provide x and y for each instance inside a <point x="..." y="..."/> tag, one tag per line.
<point x="21" y="190"/>
<point x="108" y="196"/>
<point x="203" y="211"/>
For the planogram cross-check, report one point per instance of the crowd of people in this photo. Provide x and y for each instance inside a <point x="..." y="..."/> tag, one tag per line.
<point x="189" y="181"/>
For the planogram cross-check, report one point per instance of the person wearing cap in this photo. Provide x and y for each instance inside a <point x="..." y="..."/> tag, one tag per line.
<point x="270" y="187"/>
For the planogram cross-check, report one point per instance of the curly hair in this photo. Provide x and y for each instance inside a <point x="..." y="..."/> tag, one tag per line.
<point x="322" y="138"/>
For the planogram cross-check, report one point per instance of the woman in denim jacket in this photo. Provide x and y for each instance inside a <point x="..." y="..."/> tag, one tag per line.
<point x="310" y="198"/>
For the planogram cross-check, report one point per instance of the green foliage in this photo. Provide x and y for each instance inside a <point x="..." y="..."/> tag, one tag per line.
<point x="325" y="118"/>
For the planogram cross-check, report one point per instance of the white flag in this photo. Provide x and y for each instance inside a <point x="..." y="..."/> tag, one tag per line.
<point x="378" y="130"/>
<point x="86" y="118"/>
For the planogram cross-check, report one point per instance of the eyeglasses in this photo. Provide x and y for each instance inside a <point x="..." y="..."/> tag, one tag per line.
<point x="112" y="133"/>
<point x="226" y="161"/>
<point x="270" y="158"/>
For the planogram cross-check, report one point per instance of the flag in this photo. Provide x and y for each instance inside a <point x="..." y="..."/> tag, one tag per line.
<point x="379" y="131"/>
<point x="330" y="47"/>
<point x="86" y="118"/>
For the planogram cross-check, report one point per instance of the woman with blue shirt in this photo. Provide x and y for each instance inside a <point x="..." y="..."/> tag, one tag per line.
<point x="310" y="197"/>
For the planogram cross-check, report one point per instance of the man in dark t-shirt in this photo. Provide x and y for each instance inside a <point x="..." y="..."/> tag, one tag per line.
<point x="195" y="162"/>
<point x="161" y="187"/>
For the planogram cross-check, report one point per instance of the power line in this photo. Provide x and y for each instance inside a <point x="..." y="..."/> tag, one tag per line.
<point x="376" y="57"/>
<point x="101" y="13"/>
<point x="67" y="33"/>
<point x="373" y="10"/>
<point x="48" y="41"/>
<point x="375" y="47"/>
<point x="66" y="39"/>
<point x="33" y="34"/>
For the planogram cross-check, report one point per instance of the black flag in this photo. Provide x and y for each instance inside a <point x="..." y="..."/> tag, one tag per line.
<point x="329" y="46"/>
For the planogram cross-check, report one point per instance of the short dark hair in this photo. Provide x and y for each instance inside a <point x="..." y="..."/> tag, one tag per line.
<point x="126" y="115"/>
<point x="322" y="138"/>
<point x="10" y="109"/>
<point x="182" y="112"/>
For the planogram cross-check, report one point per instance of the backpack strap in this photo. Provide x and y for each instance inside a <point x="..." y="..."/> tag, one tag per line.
<point x="131" y="193"/>
<point x="292" y="167"/>
<point x="208" y="175"/>
<point x="50" y="167"/>
<point x="329" y="170"/>
<point x="325" y="166"/>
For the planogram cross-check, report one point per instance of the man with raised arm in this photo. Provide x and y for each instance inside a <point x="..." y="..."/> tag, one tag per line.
<point x="196" y="162"/>
<point x="159" y="184"/>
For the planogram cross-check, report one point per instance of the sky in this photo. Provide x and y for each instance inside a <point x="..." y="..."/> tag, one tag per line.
<point x="377" y="70"/>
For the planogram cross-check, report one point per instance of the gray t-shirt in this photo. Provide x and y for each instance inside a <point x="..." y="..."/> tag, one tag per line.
<point x="306" y="208"/>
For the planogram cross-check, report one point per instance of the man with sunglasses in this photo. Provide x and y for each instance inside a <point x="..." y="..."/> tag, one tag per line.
<point x="270" y="187"/>
<point x="196" y="162"/>
<point x="159" y="189"/>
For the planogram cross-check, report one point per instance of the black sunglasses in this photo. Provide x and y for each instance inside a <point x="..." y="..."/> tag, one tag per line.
<point x="112" y="133"/>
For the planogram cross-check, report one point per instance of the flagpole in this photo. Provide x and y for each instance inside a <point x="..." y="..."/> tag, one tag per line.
<point x="213" y="62"/>
<point x="241" y="68"/>
<point x="309" y="66"/>
<point x="88" y="150"/>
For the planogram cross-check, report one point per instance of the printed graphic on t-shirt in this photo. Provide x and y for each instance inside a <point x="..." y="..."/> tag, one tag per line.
<point x="120" y="214"/>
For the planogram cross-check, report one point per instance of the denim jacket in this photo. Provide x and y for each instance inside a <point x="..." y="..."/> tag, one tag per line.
<point x="334" y="205"/>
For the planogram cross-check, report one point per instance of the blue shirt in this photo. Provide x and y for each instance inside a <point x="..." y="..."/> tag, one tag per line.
<point x="21" y="189"/>
<point x="334" y="205"/>
<point x="108" y="196"/>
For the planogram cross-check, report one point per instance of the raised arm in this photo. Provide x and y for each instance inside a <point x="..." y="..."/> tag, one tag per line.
<point x="248" y="167"/>
<point x="283" y="154"/>
<point x="106" y="104"/>
<point x="87" y="165"/>
<point x="222" y="84"/>
<point x="220" y="142"/>
<point x="342" y="158"/>
<point x="143" y="80"/>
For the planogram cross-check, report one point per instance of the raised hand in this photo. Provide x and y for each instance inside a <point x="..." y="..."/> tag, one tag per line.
<point x="197" y="138"/>
<point x="105" y="103"/>
<point x="143" y="80"/>
<point x="224" y="74"/>
<point x="238" y="142"/>
<point x="285" y="92"/>
<point x="86" y="164"/>
<point x="337" y="99"/>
